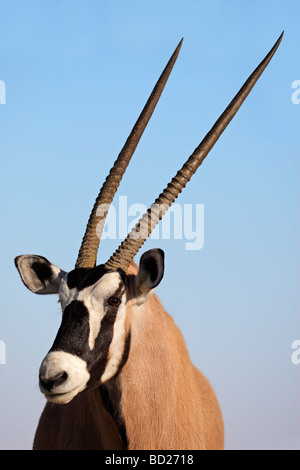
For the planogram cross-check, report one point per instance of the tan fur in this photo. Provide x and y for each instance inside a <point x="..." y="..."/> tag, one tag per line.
<point x="166" y="402"/>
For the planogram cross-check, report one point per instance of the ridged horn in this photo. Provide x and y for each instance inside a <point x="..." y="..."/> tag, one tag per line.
<point x="136" y="238"/>
<point x="87" y="256"/>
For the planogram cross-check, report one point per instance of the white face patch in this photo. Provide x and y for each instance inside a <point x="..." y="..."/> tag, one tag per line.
<point x="77" y="376"/>
<point x="94" y="298"/>
<point x="116" y="347"/>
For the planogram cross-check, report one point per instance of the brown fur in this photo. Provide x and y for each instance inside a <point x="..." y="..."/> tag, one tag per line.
<point x="82" y="424"/>
<point x="166" y="402"/>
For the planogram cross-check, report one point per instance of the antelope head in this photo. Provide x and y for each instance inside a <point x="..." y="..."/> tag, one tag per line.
<point x="92" y="343"/>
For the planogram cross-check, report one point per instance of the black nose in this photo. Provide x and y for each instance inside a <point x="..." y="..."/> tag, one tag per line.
<point x="48" y="383"/>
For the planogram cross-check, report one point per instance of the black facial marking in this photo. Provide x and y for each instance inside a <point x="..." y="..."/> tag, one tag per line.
<point x="111" y="398"/>
<point x="73" y="333"/>
<point x="125" y="353"/>
<point x="122" y="274"/>
<point x="99" y="355"/>
<point x="85" y="277"/>
<point x="103" y="340"/>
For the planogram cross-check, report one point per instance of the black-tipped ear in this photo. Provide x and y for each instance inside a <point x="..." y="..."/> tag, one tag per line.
<point x="150" y="273"/>
<point x="38" y="274"/>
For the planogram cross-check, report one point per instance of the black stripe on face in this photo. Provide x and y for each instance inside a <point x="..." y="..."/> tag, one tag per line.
<point x="85" y="277"/>
<point x="73" y="333"/>
<point x="100" y="351"/>
<point x="103" y="340"/>
<point x="111" y="398"/>
<point x="125" y="352"/>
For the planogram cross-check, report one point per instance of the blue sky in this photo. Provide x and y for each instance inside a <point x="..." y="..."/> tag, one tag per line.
<point x="77" y="75"/>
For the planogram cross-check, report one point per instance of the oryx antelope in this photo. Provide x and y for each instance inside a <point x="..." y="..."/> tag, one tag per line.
<point x="118" y="375"/>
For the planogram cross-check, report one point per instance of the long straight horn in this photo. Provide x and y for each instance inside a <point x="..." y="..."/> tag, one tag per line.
<point x="131" y="245"/>
<point x="87" y="256"/>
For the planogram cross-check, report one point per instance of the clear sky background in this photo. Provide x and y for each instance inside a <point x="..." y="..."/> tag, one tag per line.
<point x="77" y="74"/>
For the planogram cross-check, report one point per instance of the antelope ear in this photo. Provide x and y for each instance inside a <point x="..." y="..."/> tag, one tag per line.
<point x="150" y="274"/>
<point x="38" y="274"/>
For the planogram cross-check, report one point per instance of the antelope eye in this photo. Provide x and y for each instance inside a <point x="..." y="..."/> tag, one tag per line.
<point x="114" y="302"/>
